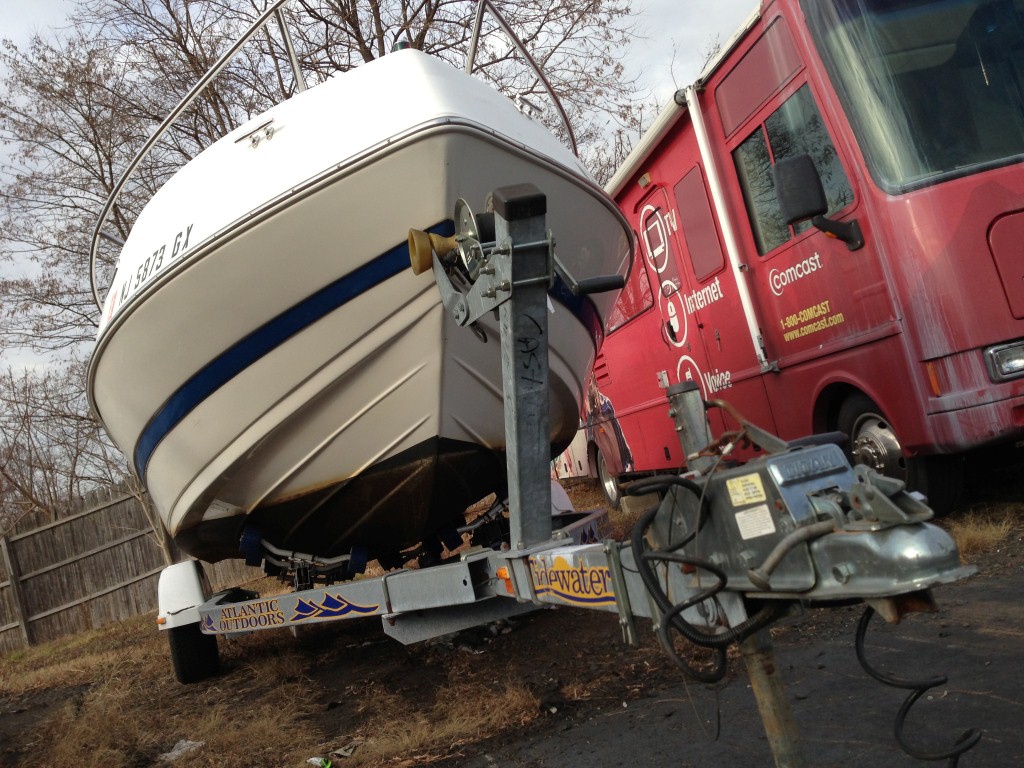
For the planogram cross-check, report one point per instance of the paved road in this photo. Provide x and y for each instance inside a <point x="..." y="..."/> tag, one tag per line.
<point x="844" y="717"/>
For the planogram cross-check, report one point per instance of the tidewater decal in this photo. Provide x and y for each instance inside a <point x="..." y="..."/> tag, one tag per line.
<point x="576" y="584"/>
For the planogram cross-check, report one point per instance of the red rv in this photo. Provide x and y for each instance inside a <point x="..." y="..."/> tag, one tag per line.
<point x="831" y="224"/>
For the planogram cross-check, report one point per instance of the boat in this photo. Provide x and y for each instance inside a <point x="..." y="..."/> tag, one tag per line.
<point x="278" y="376"/>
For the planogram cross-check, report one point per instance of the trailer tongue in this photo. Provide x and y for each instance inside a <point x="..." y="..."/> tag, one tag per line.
<point x="729" y="549"/>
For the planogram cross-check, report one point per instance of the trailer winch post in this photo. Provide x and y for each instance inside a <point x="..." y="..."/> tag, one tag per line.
<point x="688" y="413"/>
<point x="520" y="229"/>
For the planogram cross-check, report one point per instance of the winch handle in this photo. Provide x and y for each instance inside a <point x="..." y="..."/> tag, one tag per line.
<point x="601" y="284"/>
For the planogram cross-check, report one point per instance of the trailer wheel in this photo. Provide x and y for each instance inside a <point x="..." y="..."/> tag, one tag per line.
<point x="193" y="654"/>
<point x="874" y="443"/>
<point x="609" y="483"/>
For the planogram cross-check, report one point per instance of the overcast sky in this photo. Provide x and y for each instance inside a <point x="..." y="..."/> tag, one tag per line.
<point x="20" y="18"/>
<point x="686" y="26"/>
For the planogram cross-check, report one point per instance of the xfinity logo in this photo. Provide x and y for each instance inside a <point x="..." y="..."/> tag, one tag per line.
<point x="779" y="279"/>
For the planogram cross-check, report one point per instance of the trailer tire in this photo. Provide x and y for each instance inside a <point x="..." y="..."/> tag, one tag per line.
<point x="874" y="443"/>
<point x="193" y="654"/>
<point x="609" y="482"/>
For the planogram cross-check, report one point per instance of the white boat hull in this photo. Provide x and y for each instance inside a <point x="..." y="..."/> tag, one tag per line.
<point x="286" y="368"/>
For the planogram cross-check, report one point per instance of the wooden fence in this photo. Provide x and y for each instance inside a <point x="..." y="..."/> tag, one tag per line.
<point x="97" y="563"/>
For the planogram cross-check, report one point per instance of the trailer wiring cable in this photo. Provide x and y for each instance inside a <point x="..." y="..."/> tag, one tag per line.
<point x="672" y="618"/>
<point x="660" y="484"/>
<point x="966" y="741"/>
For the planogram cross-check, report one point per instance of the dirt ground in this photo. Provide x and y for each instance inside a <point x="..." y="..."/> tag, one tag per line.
<point x="602" y="704"/>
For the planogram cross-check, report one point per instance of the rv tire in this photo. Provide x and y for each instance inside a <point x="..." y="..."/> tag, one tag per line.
<point x="609" y="482"/>
<point x="874" y="442"/>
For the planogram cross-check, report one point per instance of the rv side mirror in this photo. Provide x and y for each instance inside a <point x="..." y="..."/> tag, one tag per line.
<point x="801" y="197"/>
<point x="798" y="188"/>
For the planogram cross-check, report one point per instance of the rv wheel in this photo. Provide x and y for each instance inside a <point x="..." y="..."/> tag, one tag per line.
<point x="609" y="483"/>
<point x="193" y="654"/>
<point x="874" y="443"/>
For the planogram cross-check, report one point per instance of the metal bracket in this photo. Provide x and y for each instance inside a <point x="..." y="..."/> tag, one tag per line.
<point x="621" y="589"/>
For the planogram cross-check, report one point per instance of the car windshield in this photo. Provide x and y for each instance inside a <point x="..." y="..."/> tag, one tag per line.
<point x="934" y="89"/>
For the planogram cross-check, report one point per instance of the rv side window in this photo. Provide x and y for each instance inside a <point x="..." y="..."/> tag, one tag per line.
<point x="795" y="128"/>
<point x="636" y="297"/>
<point x="698" y="225"/>
<point x="753" y="166"/>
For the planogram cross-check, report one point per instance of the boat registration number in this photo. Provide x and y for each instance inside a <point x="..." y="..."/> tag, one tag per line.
<point x="168" y="252"/>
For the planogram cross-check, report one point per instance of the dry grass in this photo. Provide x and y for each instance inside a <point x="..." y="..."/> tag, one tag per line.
<point x="401" y="735"/>
<point x="982" y="530"/>
<point x="108" y="698"/>
<point x="114" y="703"/>
<point x="79" y="659"/>
<point x="121" y="706"/>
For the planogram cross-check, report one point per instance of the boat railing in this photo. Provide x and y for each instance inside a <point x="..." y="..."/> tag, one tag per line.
<point x="274" y="11"/>
<point x="538" y="70"/>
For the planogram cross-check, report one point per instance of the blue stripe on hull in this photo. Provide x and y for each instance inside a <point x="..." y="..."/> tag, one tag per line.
<point x="277" y="331"/>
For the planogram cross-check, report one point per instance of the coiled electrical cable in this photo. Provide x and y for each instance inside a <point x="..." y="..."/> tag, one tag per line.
<point x="967" y="740"/>
<point x="672" y="618"/>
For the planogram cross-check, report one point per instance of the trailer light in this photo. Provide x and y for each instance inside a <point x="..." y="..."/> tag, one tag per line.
<point x="933" y="378"/>
<point x="1005" y="361"/>
<point x="503" y="574"/>
<point x="161" y="620"/>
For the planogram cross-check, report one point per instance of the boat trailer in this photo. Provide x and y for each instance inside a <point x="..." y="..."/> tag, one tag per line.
<point x="730" y="549"/>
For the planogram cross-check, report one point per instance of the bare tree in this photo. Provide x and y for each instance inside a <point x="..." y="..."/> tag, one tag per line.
<point x="51" y="450"/>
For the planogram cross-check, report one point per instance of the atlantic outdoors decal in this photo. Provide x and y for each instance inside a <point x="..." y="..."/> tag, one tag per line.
<point x="261" y="614"/>
<point x="574" y="584"/>
<point x="246" y="616"/>
<point x="331" y="607"/>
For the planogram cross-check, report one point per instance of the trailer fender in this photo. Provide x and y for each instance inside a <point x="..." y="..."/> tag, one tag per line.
<point x="182" y="588"/>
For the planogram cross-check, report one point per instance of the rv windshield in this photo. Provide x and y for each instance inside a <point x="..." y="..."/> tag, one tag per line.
<point x="934" y="89"/>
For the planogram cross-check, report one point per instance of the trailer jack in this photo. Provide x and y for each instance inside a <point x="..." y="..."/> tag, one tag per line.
<point x="797" y="527"/>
